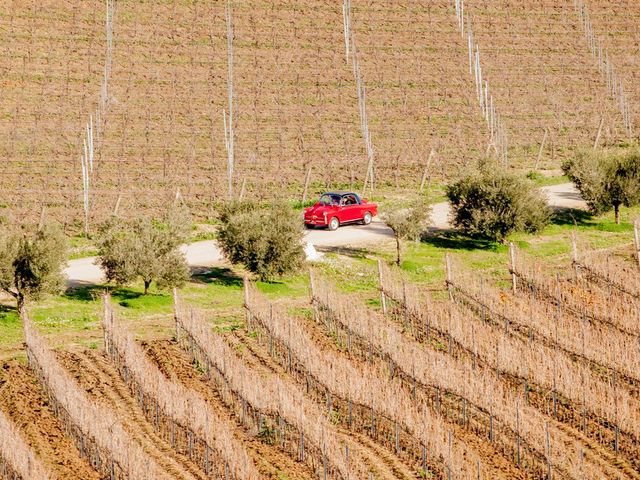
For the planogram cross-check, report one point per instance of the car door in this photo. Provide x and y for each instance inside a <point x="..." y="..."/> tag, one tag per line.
<point x="349" y="210"/>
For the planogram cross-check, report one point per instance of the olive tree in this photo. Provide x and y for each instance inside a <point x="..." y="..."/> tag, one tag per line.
<point x="266" y="240"/>
<point x="145" y="249"/>
<point x="31" y="263"/>
<point x="407" y="223"/>
<point x="492" y="204"/>
<point x="606" y="179"/>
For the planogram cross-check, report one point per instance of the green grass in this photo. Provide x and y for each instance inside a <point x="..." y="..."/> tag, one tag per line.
<point x="74" y="317"/>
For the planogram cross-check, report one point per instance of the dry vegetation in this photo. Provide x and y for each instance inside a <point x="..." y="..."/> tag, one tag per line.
<point x="487" y="381"/>
<point x="99" y="434"/>
<point x="295" y="99"/>
<point x="366" y="389"/>
<point x="17" y="459"/>
<point x="209" y="438"/>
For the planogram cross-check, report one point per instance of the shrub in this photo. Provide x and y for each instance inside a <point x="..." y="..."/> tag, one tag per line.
<point x="607" y="179"/>
<point x="407" y="223"/>
<point x="266" y="240"/>
<point x="31" y="264"/>
<point x="145" y="249"/>
<point x="494" y="204"/>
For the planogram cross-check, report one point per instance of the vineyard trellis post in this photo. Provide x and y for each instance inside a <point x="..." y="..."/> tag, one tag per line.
<point x="512" y="266"/>
<point x="228" y="124"/>
<point x="596" y="142"/>
<point x="305" y="190"/>
<point x="541" y="150"/>
<point x="383" y="298"/>
<point x="346" y="17"/>
<point x="449" y="275"/>
<point x="636" y="239"/>
<point x="427" y="168"/>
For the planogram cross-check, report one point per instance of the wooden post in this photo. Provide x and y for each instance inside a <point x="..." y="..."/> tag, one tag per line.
<point x="597" y="140"/>
<point x="307" y="177"/>
<point x="42" y="217"/>
<point x="383" y="298"/>
<point x="243" y="189"/>
<point x="542" y="145"/>
<point x="512" y="266"/>
<point x="574" y="253"/>
<point x="449" y="275"/>
<point x="117" y="206"/>
<point x="175" y="313"/>
<point x="425" y="173"/>
<point x="636" y="238"/>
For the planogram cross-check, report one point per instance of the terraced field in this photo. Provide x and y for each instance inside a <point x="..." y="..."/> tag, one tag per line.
<point x="537" y="381"/>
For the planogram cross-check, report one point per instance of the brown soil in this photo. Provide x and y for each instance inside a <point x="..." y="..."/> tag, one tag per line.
<point x="272" y="462"/>
<point x="385" y="459"/>
<point x="25" y="402"/>
<point x="98" y="377"/>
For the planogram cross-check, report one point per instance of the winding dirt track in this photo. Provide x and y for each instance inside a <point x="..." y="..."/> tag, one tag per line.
<point x="84" y="271"/>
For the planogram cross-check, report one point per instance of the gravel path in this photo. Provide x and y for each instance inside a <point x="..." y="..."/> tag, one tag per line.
<point x="84" y="271"/>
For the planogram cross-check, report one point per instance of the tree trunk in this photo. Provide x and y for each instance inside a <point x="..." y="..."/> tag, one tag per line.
<point x="616" y="208"/>
<point x="20" y="300"/>
<point x="147" y="283"/>
<point x="398" y="250"/>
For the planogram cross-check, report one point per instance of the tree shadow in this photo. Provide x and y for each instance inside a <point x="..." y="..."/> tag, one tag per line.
<point x="91" y="293"/>
<point x="8" y="309"/>
<point x="220" y="275"/>
<point x="347" y="251"/>
<point x="85" y="293"/>
<point x="451" y="240"/>
<point x="571" y="216"/>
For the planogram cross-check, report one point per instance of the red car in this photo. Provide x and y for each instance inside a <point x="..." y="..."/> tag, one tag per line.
<point x="339" y="208"/>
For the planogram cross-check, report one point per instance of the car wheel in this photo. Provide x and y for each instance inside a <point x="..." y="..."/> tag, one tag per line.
<point x="367" y="218"/>
<point x="334" y="223"/>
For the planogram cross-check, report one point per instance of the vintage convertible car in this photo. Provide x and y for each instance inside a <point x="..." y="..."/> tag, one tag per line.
<point x="339" y="208"/>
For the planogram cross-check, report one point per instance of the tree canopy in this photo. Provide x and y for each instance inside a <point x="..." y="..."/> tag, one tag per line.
<point x="606" y="179"/>
<point x="407" y="222"/>
<point x="267" y="240"/>
<point x="145" y="249"/>
<point x="492" y="204"/>
<point x="31" y="263"/>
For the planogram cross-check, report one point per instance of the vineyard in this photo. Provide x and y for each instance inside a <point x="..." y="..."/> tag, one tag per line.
<point x="125" y="105"/>
<point x="531" y="373"/>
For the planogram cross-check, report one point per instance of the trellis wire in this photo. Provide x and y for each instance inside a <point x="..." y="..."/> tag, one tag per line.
<point x="429" y="321"/>
<point x="525" y="318"/>
<point x="493" y="119"/>
<point x="615" y="86"/>
<point x="356" y="388"/>
<point x="268" y="396"/>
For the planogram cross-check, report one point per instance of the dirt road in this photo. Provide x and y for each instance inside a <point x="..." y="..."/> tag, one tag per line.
<point x="207" y="253"/>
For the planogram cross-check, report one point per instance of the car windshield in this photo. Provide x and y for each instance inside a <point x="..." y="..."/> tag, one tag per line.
<point x="327" y="199"/>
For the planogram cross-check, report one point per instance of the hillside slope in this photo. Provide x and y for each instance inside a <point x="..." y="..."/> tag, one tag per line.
<point x="295" y="103"/>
